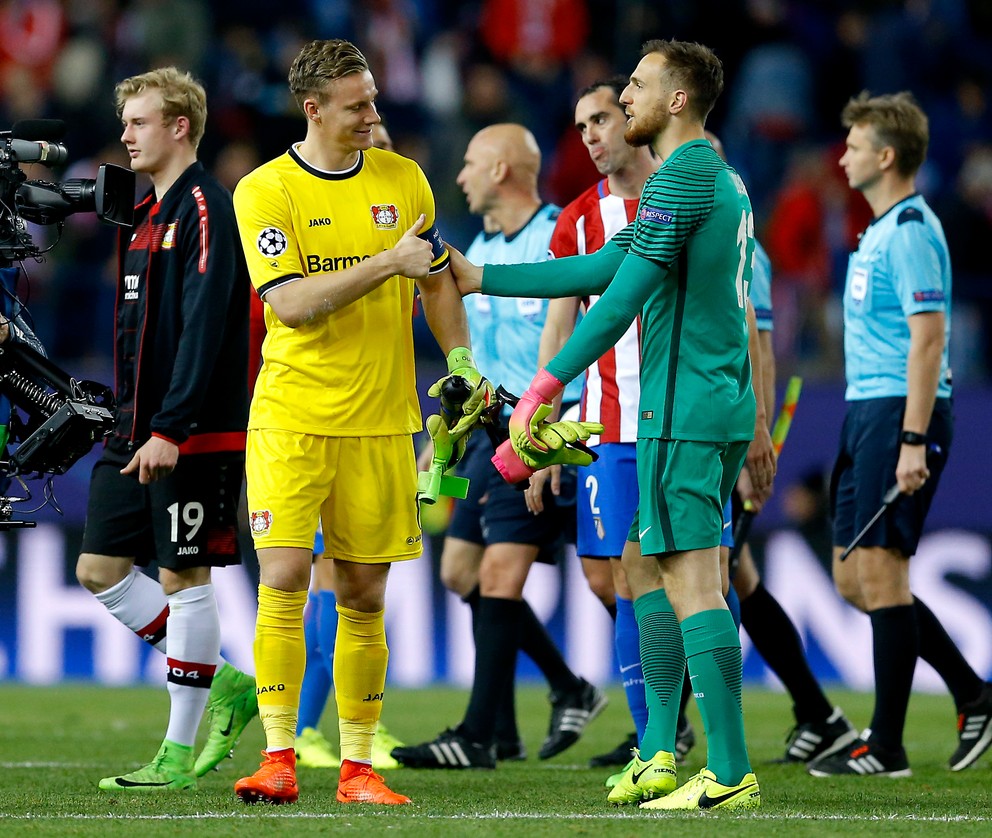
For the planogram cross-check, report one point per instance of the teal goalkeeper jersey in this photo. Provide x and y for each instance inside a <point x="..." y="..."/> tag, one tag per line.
<point x="685" y="265"/>
<point x="694" y="225"/>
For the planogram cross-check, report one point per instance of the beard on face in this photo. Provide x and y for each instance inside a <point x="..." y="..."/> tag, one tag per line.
<point x="642" y="131"/>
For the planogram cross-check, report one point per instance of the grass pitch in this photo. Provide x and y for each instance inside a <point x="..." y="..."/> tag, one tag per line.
<point x="57" y="742"/>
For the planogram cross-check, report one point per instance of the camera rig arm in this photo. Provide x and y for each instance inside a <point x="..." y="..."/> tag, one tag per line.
<point x="57" y="420"/>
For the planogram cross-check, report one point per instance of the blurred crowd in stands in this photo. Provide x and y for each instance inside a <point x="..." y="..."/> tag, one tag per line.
<point x="445" y="68"/>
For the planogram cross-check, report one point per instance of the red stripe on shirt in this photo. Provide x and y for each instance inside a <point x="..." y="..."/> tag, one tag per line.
<point x="201" y="207"/>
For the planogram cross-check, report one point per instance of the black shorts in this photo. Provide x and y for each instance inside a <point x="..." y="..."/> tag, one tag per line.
<point x="866" y="468"/>
<point x="494" y="512"/>
<point x="188" y="519"/>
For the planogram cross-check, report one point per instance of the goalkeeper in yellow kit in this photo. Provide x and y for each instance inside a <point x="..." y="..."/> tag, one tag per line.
<point x="337" y="235"/>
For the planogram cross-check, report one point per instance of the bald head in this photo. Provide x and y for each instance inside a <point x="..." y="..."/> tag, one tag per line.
<point x="502" y="162"/>
<point x="513" y="145"/>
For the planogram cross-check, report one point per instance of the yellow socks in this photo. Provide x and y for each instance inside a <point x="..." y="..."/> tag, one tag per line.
<point x="360" y="658"/>
<point x="280" y="658"/>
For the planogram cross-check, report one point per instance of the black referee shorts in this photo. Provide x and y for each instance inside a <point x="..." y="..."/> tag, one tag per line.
<point x="865" y="470"/>
<point x="188" y="519"/>
<point x="494" y="512"/>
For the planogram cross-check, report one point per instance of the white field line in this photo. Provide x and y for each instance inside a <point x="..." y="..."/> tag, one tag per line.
<point x="501" y="816"/>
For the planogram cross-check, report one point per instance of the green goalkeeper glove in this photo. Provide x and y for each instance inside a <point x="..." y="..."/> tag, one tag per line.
<point x="560" y="440"/>
<point x="464" y="393"/>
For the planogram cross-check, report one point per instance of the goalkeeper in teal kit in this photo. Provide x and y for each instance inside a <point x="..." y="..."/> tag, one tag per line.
<point x="684" y="265"/>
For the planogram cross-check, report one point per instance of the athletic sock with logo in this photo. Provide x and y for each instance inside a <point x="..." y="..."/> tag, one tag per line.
<point x="713" y="655"/>
<point x="360" y="659"/>
<point x="280" y="659"/>
<point x="895" y="648"/>
<point x="626" y="639"/>
<point x="663" y="665"/>
<point x="139" y="603"/>
<point x="775" y="637"/>
<point x="316" y="684"/>
<point x="192" y="651"/>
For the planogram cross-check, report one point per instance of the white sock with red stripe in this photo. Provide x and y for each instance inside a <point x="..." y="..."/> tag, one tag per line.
<point x="192" y="649"/>
<point x="139" y="603"/>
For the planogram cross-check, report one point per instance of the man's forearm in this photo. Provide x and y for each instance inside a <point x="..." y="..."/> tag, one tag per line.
<point x="444" y="311"/>
<point x="926" y="349"/>
<point x="573" y="276"/>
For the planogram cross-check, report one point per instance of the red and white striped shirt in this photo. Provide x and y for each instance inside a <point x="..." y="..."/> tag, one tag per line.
<point x="612" y="384"/>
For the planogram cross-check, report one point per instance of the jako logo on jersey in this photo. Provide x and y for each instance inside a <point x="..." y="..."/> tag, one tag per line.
<point x="319" y="222"/>
<point x="385" y="216"/>
<point x="656" y="216"/>
<point x="261" y="521"/>
<point x="272" y="242"/>
<point x="169" y="239"/>
<point x="327" y="264"/>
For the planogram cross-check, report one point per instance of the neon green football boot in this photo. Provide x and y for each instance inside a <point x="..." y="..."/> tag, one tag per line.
<point x="231" y="705"/>
<point x="314" y="751"/>
<point x="382" y="749"/>
<point x="703" y="792"/>
<point x="644" y="779"/>
<point x="172" y="768"/>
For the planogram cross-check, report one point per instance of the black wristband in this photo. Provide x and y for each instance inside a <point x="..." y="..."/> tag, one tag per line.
<point x="912" y="438"/>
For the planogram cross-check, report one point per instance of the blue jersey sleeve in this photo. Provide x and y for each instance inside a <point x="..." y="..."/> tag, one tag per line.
<point x="761" y="288"/>
<point x="915" y="264"/>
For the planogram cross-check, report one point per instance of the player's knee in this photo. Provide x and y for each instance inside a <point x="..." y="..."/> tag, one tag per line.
<point x="97" y="574"/>
<point x="850" y="591"/>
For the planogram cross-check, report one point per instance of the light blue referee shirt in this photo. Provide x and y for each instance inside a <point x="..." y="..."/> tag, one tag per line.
<point x="901" y="267"/>
<point x="506" y="331"/>
<point x="760" y="291"/>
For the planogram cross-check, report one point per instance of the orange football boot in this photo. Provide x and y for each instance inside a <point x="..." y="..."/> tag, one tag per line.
<point x="360" y="784"/>
<point x="274" y="782"/>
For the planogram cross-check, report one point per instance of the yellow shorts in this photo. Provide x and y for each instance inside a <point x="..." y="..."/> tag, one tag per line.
<point x="362" y="489"/>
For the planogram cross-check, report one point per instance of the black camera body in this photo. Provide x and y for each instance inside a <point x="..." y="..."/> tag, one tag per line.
<point x="110" y="195"/>
<point x="54" y="419"/>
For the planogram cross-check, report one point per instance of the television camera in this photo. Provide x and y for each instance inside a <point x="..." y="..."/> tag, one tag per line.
<point x="48" y="419"/>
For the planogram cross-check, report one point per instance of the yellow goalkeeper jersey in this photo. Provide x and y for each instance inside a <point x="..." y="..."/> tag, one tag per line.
<point x="350" y="373"/>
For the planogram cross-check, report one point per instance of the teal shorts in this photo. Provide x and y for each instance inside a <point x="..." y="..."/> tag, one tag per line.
<point x="684" y="487"/>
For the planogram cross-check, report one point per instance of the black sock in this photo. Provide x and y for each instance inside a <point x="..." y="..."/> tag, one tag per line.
<point x="895" y="648"/>
<point x="775" y="637"/>
<point x="505" y="729"/>
<point x="938" y="650"/>
<point x="536" y="643"/>
<point x="497" y="640"/>
<point x="686" y="692"/>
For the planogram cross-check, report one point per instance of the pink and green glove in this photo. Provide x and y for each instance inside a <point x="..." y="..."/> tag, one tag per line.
<point x="515" y="465"/>
<point x="531" y="410"/>
<point x="473" y="393"/>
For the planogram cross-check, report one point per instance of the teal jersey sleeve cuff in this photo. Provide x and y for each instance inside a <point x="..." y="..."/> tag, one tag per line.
<point x="572" y="276"/>
<point x="604" y="323"/>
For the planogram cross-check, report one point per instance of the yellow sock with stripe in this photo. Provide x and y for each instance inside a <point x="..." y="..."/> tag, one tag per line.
<point x="280" y="658"/>
<point x="360" y="658"/>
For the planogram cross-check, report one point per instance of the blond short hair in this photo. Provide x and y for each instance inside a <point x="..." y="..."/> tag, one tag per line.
<point x="899" y="122"/>
<point x="320" y="62"/>
<point x="182" y="95"/>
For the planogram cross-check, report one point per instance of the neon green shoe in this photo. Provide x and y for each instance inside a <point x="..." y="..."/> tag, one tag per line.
<point x="172" y="768"/>
<point x="382" y="749"/>
<point x="314" y="751"/>
<point x="231" y="705"/>
<point x="613" y="779"/>
<point x="704" y="792"/>
<point x="644" y="779"/>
